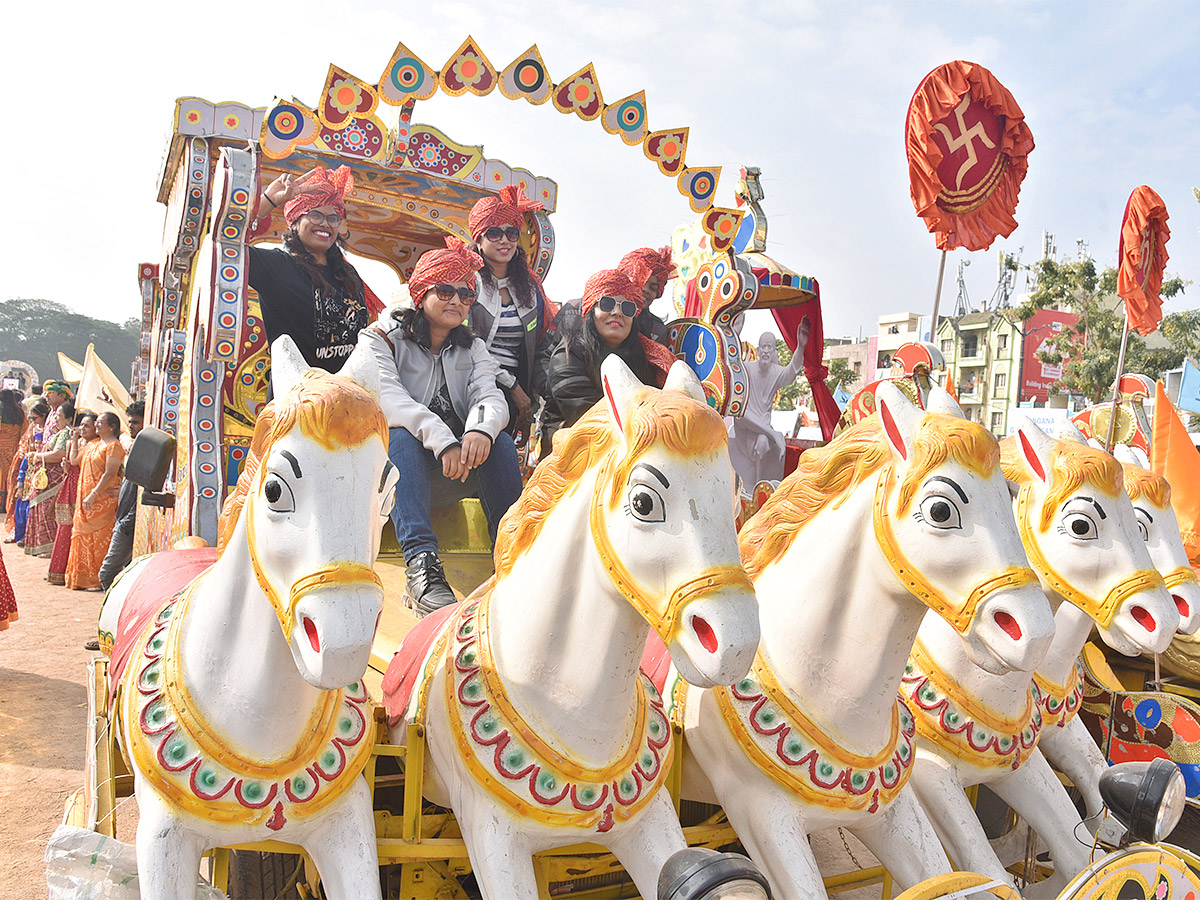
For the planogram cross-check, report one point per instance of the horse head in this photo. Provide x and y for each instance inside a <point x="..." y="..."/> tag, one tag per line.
<point x="1151" y="497"/>
<point x="1081" y="533"/>
<point x="311" y="502"/>
<point x="661" y="519"/>
<point x="942" y="522"/>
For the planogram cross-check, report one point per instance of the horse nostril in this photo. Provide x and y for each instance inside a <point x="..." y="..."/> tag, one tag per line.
<point x="1182" y="606"/>
<point x="708" y="639"/>
<point x="310" y="628"/>
<point x="1142" y="617"/>
<point x="1008" y="625"/>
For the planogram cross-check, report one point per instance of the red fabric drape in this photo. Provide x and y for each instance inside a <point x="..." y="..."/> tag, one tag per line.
<point x="788" y="319"/>
<point x="1142" y="257"/>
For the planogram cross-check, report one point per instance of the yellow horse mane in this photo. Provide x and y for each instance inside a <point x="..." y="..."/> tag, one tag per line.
<point x="828" y="475"/>
<point x="1071" y="466"/>
<point x="1142" y="482"/>
<point x="655" y="417"/>
<point x="331" y="410"/>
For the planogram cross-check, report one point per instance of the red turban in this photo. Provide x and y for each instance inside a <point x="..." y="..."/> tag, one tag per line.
<point x="506" y="208"/>
<point x="609" y="283"/>
<point x="331" y="190"/>
<point x="645" y="262"/>
<point x="458" y="262"/>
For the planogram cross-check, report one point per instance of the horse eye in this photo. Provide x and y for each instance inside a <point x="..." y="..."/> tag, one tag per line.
<point x="940" y="512"/>
<point x="279" y="495"/>
<point x="273" y="490"/>
<point x="646" y="504"/>
<point x="1082" y="526"/>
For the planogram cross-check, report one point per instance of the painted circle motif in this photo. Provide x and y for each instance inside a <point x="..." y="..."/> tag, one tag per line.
<point x="407" y="74"/>
<point x="701" y="187"/>
<point x="206" y="400"/>
<point x="229" y="296"/>
<point x="529" y="76"/>
<point x="205" y="424"/>
<point x="631" y="116"/>
<point x="207" y="468"/>
<point x="204" y="446"/>
<point x="230" y="252"/>
<point x="207" y="375"/>
<point x="224" y="348"/>
<point x="354" y="138"/>
<point x="1148" y="713"/>
<point x="229" y="273"/>
<point x="227" y="320"/>
<point x="248" y="379"/>
<point x="285" y="122"/>
<point x="208" y="493"/>
<point x="231" y="232"/>
<point x="240" y="196"/>
<point x="237" y="454"/>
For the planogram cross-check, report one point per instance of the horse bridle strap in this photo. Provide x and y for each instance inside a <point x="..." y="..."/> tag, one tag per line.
<point x="662" y="617"/>
<point x="1102" y="611"/>
<point x="958" y="615"/>
<point x="1182" y="575"/>
<point x="337" y="573"/>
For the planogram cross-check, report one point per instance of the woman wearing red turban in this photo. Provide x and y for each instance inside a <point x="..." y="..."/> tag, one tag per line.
<point x="309" y="290"/>
<point x="650" y="270"/>
<point x="512" y="315"/>
<point x="445" y="412"/>
<point x="611" y="303"/>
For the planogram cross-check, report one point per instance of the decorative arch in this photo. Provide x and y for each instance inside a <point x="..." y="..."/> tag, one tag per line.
<point x="345" y="120"/>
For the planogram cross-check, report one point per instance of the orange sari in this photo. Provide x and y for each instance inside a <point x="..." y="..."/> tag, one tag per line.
<point x="92" y="529"/>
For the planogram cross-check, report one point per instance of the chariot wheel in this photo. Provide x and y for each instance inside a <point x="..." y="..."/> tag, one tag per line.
<point x="954" y="883"/>
<point x="264" y="876"/>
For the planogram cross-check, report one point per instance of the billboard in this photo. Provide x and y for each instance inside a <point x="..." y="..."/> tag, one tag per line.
<point x="1037" y="376"/>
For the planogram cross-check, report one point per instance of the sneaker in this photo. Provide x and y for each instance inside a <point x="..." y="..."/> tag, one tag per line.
<point x="93" y="644"/>
<point x="426" y="588"/>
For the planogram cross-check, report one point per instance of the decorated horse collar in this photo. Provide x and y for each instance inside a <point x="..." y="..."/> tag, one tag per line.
<point x="662" y="613"/>
<point x="957" y="612"/>
<point x="952" y="721"/>
<point x="185" y="759"/>
<point x="1060" y="702"/>
<point x="797" y="754"/>
<point x="524" y="771"/>
<point x="1103" y="611"/>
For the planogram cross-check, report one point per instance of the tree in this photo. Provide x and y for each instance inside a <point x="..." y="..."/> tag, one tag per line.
<point x="799" y="392"/>
<point x="36" y="331"/>
<point x="1089" y="350"/>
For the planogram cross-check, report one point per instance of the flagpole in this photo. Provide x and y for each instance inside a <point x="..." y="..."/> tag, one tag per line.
<point x="937" y="300"/>
<point x="1112" y="413"/>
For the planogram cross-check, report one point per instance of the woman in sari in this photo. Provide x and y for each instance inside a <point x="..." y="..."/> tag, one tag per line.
<point x="96" y="512"/>
<point x="45" y="476"/>
<point x="12" y="426"/>
<point x="18" y="511"/>
<point x="73" y="439"/>
<point x="8" y="600"/>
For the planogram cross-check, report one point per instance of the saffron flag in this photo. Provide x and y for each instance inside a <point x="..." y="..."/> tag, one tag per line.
<point x="1142" y="258"/>
<point x="968" y="148"/>
<point x="72" y="371"/>
<point x="100" y="390"/>
<point x="1175" y="458"/>
<point x="1189" y="387"/>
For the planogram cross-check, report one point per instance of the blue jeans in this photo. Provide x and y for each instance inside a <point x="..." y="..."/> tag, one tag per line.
<point x="498" y="478"/>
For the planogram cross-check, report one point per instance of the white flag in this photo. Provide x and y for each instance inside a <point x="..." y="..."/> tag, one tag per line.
<point x="100" y="390"/>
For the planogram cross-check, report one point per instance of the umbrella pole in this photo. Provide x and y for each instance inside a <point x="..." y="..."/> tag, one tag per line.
<point x="1112" y="413"/>
<point x="937" y="300"/>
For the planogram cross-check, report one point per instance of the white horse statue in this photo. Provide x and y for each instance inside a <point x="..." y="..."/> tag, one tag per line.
<point x="238" y="690"/>
<point x="540" y="730"/>
<point x="1068" y="746"/>
<point x="905" y="512"/>
<point x="975" y="727"/>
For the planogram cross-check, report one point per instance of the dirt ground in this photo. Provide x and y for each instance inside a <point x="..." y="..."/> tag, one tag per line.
<point x="43" y="708"/>
<point x="43" y="711"/>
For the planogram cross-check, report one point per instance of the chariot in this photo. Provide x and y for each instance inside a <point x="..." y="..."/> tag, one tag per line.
<point x="204" y="370"/>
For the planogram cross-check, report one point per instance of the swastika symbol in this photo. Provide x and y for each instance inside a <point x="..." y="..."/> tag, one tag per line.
<point x="966" y="138"/>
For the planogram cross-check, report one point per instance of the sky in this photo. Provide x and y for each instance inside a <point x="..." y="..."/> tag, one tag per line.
<point x="814" y="93"/>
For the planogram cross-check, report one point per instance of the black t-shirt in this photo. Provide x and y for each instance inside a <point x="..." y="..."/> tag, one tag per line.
<point x="325" y="328"/>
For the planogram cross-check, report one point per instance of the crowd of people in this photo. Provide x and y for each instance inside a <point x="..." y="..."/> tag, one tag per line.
<point x="60" y="475"/>
<point x="477" y="362"/>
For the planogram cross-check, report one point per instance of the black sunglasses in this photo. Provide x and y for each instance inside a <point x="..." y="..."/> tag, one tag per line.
<point x="447" y="292"/>
<point x="608" y="304"/>
<point x="494" y="233"/>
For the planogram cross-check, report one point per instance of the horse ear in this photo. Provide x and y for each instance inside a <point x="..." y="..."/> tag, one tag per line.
<point x="900" y="419"/>
<point x="939" y="400"/>
<point x="1125" y="455"/>
<point x="1069" y="431"/>
<point x="680" y="377"/>
<point x="1035" y="447"/>
<point x="362" y="369"/>
<point x="287" y="365"/>
<point x="620" y="387"/>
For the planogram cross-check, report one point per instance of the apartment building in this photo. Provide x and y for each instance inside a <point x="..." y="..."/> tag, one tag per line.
<point x="982" y="351"/>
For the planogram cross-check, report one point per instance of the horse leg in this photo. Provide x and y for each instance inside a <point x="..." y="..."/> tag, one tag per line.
<point x="344" y="847"/>
<point x="644" y="848"/>
<point x="168" y="852"/>
<point x="1036" y="793"/>
<point x="1073" y="751"/>
<point x="771" y="829"/>
<point x="501" y="855"/>
<point x="940" y="792"/>
<point x="904" y="841"/>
